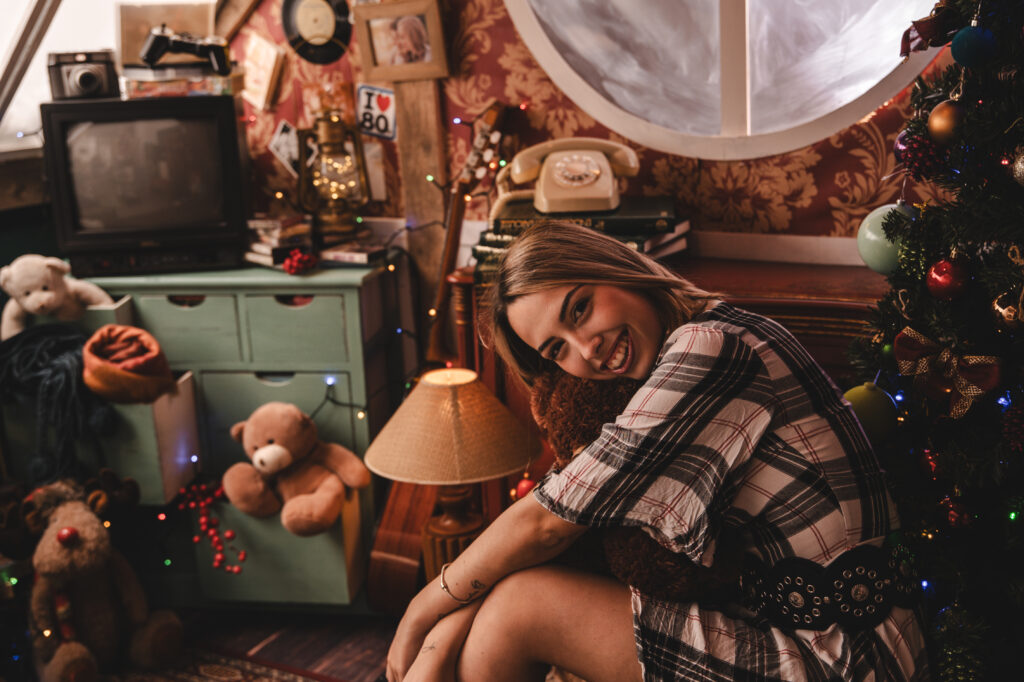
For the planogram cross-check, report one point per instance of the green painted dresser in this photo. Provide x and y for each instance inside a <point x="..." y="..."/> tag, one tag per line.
<point x="337" y="343"/>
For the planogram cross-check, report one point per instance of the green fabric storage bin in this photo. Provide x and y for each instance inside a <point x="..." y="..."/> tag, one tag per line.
<point x="154" y="443"/>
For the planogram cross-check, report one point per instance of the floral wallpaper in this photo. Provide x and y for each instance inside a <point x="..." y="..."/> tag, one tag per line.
<point x="823" y="189"/>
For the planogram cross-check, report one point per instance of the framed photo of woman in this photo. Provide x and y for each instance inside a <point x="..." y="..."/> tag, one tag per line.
<point x="401" y="41"/>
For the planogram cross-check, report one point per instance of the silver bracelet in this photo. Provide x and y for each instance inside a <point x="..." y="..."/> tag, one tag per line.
<point x="444" y="586"/>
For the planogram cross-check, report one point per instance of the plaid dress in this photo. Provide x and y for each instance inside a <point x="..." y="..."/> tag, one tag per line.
<point x="737" y="427"/>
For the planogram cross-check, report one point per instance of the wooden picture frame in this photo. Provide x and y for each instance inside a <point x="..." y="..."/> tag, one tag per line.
<point x="401" y="41"/>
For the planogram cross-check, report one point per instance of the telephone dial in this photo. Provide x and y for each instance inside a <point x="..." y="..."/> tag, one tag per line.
<point x="573" y="174"/>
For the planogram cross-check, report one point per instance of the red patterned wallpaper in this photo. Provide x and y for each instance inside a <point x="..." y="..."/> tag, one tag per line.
<point x="823" y="189"/>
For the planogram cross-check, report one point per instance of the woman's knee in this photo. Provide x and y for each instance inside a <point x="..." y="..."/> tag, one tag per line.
<point x="552" y="615"/>
<point x="508" y="604"/>
<point x="499" y="644"/>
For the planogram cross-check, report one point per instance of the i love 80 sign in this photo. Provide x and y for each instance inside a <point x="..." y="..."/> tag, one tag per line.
<point x="375" y="111"/>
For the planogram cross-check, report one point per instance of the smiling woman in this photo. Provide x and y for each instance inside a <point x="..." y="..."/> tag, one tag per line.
<point x="736" y="438"/>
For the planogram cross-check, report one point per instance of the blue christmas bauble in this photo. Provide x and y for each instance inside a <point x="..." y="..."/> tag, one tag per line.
<point x="973" y="46"/>
<point x="877" y="252"/>
<point x="899" y="148"/>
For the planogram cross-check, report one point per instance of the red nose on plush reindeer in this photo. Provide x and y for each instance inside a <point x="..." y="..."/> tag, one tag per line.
<point x="67" y="536"/>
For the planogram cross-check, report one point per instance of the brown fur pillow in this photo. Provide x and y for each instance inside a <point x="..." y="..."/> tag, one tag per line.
<point x="571" y="411"/>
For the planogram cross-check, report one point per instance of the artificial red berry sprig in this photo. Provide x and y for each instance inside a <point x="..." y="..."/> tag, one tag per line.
<point x="201" y="497"/>
<point x="299" y="262"/>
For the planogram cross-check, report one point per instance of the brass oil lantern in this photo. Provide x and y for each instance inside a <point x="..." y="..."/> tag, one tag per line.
<point x="332" y="176"/>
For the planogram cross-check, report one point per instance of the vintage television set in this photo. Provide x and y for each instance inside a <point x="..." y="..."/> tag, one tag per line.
<point x="147" y="185"/>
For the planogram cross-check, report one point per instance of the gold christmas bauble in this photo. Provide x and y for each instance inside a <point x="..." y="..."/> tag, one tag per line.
<point x="1018" y="166"/>
<point x="1006" y="310"/>
<point x="945" y="120"/>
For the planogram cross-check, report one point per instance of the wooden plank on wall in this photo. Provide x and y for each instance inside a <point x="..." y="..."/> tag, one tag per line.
<point x="231" y="15"/>
<point x="421" y="152"/>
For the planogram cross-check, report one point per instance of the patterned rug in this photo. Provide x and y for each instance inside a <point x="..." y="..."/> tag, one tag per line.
<point x="204" y="666"/>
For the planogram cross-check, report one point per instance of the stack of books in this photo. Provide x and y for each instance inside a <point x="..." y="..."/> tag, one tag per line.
<point x="363" y="250"/>
<point x="647" y="224"/>
<point x="179" y="80"/>
<point x="271" y="240"/>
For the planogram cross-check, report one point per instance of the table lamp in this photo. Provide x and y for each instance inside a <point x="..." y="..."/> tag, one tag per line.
<point x="451" y="431"/>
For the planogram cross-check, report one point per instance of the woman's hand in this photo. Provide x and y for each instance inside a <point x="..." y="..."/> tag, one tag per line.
<point x="439" y="654"/>
<point x="408" y="641"/>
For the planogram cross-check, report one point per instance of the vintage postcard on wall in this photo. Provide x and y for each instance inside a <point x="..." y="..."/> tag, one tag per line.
<point x="264" y="62"/>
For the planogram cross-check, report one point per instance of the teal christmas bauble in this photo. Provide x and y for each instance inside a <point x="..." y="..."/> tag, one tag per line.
<point x="973" y="46"/>
<point x="876" y="411"/>
<point x="877" y="252"/>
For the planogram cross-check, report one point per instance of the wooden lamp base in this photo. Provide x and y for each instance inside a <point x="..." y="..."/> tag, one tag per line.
<point x="446" y="535"/>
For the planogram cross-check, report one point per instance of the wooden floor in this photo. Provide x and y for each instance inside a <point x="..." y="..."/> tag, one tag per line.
<point x="341" y="648"/>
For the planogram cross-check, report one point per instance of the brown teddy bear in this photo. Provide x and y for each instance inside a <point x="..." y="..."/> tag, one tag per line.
<point x="291" y="470"/>
<point x="87" y="609"/>
<point x="40" y="285"/>
<point x="570" y="412"/>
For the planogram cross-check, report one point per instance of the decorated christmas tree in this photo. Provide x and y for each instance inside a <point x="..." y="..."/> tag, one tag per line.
<point x="949" y="341"/>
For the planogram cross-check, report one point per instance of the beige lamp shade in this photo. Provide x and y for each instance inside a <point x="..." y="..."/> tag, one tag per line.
<point x="451" y="429"/>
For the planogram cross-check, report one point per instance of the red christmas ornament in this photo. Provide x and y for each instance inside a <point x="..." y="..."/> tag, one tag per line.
<point x="523" y="487"/>
<point x="956" y="512"/>
<point x="946" y="279"/>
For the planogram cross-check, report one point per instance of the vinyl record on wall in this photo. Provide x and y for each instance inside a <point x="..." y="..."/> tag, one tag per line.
<point x="318" y="30"/>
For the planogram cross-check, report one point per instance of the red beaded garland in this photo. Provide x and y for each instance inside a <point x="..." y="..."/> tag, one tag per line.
<point x="198" y="496"/>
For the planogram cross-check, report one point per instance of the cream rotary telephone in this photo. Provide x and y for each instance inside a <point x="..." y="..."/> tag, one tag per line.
<point x="572" y="174"/>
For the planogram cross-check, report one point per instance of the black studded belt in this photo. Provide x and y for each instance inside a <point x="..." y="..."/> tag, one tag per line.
<point x="856" y="590"/>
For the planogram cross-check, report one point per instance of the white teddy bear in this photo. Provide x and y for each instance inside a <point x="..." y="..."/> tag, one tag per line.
<point x="40" y="285"/>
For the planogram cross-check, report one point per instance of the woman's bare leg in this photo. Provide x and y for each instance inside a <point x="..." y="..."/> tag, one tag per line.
<point x="552" y="615"/>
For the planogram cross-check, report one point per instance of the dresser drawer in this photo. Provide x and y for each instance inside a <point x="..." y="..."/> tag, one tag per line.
<point x="298" y="330"/>
<point x="230" y="397"/>
<point x="192" y="330"/>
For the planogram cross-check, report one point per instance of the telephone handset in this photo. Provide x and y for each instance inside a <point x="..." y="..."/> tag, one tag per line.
<point x="575" y="173"/>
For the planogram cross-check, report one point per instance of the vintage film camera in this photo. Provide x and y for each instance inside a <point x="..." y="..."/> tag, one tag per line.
<point x="162" y="40"/>
<point x="78" y="75"/>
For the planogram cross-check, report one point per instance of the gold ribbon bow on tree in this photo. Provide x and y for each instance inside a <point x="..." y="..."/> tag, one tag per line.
<point x="964" y="378"/>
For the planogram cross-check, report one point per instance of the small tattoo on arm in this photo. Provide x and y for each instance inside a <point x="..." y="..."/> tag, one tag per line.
<point x="428" y="647"/>
<point x="478" y="587"/>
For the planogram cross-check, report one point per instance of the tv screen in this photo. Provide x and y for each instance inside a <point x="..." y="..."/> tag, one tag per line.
<point x="154" y="184"/>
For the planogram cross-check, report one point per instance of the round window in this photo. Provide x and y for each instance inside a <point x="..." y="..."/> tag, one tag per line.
<point x="723" y="79"/>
